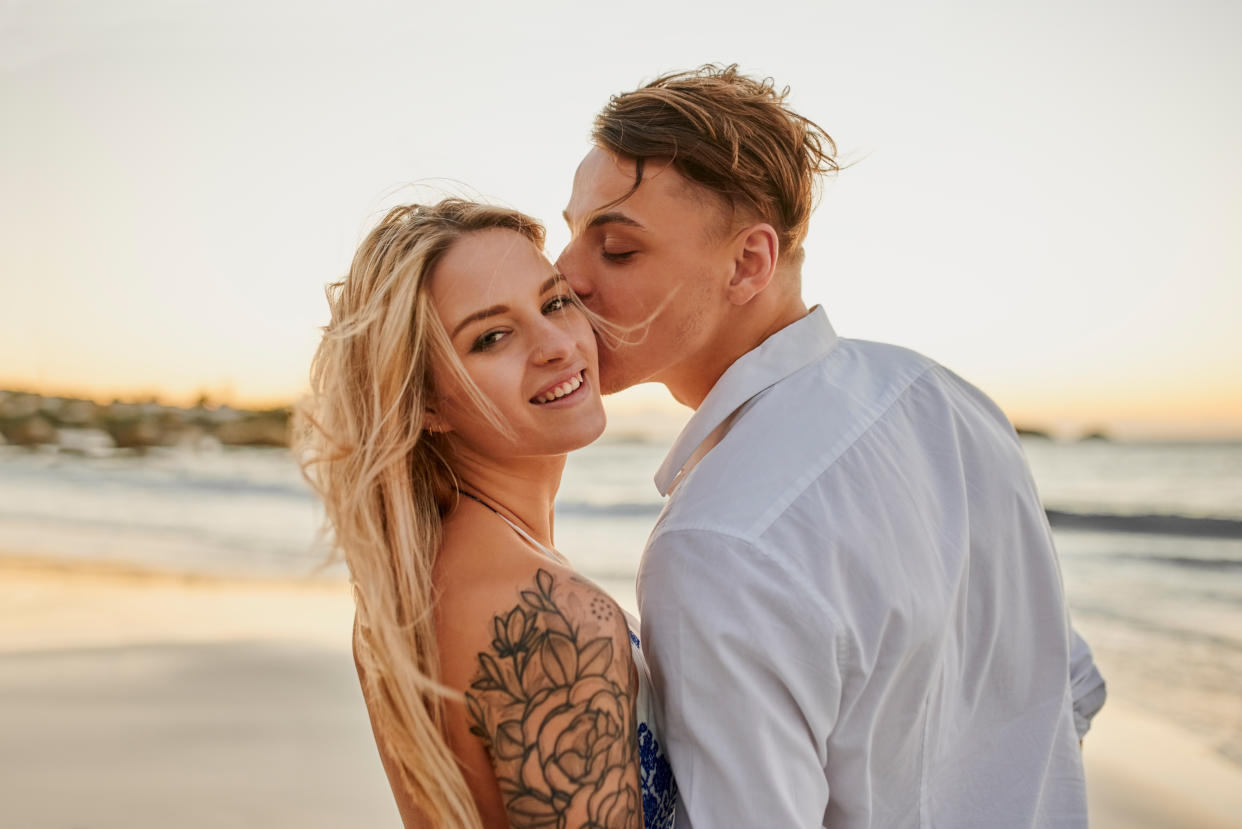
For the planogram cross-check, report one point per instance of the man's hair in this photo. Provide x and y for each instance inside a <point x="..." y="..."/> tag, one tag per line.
<point x="731" y="134"/>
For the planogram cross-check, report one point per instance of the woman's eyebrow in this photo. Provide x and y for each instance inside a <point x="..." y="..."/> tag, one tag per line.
<point x="495" y="310"/>
<point x="552" y="282"/>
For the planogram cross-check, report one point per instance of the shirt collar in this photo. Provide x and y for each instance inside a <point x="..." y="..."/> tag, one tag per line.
<point x="792" y="348"/>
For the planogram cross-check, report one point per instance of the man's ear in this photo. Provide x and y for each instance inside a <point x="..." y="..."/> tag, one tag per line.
<point x="757" y="249"/>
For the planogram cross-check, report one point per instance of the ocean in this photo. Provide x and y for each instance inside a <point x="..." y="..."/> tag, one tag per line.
<point x="1149" y="535"/>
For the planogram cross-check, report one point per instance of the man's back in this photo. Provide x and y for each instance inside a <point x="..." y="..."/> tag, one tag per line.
<point x="853" y="606"/>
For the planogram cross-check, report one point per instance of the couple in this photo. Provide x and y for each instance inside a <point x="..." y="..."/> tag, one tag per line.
<point x="852" y="612"/>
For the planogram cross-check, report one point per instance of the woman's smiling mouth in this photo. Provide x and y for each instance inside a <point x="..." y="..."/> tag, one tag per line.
<point x="562" y="389"/>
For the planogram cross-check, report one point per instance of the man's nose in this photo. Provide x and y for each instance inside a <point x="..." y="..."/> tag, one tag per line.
<point x="569" y="267"/>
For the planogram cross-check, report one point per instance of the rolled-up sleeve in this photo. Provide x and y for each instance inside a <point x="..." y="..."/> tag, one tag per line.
<point x="1086" y="684"/>
<point x="747" y="668"/>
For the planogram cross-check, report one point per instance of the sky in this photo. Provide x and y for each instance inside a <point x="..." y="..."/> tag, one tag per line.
<point x="1045" y="197"/>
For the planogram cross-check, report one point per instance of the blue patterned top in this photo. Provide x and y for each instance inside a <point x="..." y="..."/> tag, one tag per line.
<point x="659" y="789"/>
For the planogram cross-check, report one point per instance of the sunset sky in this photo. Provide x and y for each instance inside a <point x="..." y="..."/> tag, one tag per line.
<point x="1046" y="197"/>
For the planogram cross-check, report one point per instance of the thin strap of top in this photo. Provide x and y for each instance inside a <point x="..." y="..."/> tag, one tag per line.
<point x="550" y="553"/>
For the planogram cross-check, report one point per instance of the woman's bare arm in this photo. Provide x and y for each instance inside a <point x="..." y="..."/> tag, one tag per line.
<point x="553" y="700"/>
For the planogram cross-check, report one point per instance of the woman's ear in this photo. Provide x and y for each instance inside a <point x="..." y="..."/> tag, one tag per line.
<point x="434" y="422"/>
<point x="758" y="249"/>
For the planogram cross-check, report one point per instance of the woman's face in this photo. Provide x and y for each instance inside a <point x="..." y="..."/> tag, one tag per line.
<point x="528" y="348"/>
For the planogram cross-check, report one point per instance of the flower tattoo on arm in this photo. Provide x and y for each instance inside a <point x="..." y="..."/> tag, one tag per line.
<point x="554" y="702"/>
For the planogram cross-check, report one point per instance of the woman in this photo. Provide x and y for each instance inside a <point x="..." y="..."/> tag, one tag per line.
<point x="456" y="372"/>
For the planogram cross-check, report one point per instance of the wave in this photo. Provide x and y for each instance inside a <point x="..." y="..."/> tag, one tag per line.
<point x="1147" y="524"/>
<point x="180" y="477"/>
<point x="1216" y="564"/>
<point x="624" y="509"/>
<point x="1138" y="621"/>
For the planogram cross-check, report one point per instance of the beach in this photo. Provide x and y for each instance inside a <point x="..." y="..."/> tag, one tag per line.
<point x="138" y="698"/>
<point x="131" y="698"/>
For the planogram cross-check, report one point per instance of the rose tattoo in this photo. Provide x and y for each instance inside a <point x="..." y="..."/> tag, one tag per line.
<point x="554" y="703"/>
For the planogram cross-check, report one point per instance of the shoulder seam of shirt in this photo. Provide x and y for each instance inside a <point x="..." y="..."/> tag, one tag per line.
<point x="799" y="485"/>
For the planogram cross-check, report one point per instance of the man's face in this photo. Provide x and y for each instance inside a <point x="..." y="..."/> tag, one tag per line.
<point x="658" y="261"/>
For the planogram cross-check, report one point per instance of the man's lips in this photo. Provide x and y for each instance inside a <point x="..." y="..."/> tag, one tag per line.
<point x="561" y="388"/>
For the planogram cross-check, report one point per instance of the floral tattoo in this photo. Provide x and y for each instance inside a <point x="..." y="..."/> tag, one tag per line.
<point x="557" y="714"/>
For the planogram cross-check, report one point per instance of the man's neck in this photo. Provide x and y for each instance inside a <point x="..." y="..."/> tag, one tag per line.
<point x="739" y="333"/>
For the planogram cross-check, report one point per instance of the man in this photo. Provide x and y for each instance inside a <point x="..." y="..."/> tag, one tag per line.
<point x="851" y="603"/>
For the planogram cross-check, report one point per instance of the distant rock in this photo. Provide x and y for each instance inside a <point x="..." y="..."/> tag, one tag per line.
<point x="269" y="428"/>
<point x="1028" y="432"/>
<point x="135" y="433"/>
<point x="32" y="430"/>
<point x="77" y="412"/>
<point x="17" y="405"/>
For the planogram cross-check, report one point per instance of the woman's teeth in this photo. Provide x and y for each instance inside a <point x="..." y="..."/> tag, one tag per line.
<point x="568" y="387"/>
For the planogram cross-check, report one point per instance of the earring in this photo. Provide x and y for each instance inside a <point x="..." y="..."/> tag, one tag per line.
<point x="433" y="422"/>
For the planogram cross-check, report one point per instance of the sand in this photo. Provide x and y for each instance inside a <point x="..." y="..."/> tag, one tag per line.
<point x="131" y="699"/>
<point x="134" y="699"/>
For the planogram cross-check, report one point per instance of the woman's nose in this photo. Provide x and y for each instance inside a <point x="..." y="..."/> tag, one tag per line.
<point x="554" y="344"/>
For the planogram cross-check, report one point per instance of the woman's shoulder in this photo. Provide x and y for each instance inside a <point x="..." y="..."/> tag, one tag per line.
<point x="543" y="658"/>
<point x="485" y="569"/>
<point x="501" y="599"/>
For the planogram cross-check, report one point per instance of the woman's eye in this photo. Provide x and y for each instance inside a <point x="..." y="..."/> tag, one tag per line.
<point x="487" y="340"/>
<point x="618" y="256"/>
<point x="555" y="304"/>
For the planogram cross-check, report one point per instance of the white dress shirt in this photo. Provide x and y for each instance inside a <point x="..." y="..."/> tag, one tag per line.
<point x="851" y="603"/>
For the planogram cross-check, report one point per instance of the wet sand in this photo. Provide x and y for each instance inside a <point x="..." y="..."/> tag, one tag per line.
<point x="136" y="699"/>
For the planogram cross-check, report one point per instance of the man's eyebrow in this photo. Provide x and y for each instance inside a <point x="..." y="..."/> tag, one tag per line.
<point x="611" y="217"/>
<point x="496" y="310"/>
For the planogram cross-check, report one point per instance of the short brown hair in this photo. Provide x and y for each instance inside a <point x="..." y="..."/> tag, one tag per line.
<point x="731" y="134"/>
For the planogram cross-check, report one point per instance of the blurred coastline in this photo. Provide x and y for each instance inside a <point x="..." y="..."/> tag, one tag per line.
<point x="164" y="602"/>
<point x="76" y="424"/>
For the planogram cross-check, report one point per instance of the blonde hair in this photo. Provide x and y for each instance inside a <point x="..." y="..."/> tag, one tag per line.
<point x="385" y="481"/>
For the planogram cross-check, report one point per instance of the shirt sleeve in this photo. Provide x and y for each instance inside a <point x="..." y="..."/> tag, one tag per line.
<point x="1086" y="684"/>
<point x="747" y="672"/>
